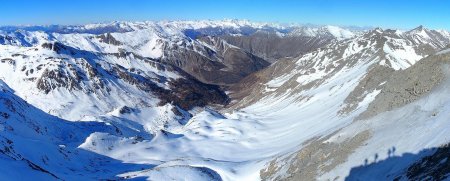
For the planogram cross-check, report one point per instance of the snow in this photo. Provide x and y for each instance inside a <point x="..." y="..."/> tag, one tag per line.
<point x="333" y="31"/>
<point x="368" y="99"/>
<point x="97" y="141"/>
<point x="423" y="34"/>
<point x="400" y="128"/>
<point x="278" y="81"/>
<point x="340" y="33"/>
<point x="444" y="51"/>
<point x="353" y="48"/>
<point x="175" y="173"/>
<point x="400" y="58"/>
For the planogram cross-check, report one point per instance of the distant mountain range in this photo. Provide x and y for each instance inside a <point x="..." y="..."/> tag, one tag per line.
<point x="223" y="100"/>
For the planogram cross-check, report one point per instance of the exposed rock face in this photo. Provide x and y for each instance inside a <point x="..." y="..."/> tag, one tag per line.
<point x="55" y="46"/>
<point x="399" y="81"/>
<point x="184" y="92"/>
<point x="271" y="46"/>
<point x="222" y="64"/>
<point x="109" y="39"/>
<point x="208" y="63"/>
<point x="77" y="74"/>
<point x="403" y="87"/>
<point x="312" y="91"/>
<point x="386" y="49"/>
<point x="433" y="167"/>
<point x="237" y="61"/>
<point x="90" y="73"/>
<point x="316" y="157"/>
<point x="372" y="81"/>
<point x="53" y="79"/>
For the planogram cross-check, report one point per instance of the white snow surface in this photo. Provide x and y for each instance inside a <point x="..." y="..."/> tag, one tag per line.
<point x="99" y="142"/>
<point x="333" y="31"/>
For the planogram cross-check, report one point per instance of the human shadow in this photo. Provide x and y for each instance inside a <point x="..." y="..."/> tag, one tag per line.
<point x="428" y="164"/>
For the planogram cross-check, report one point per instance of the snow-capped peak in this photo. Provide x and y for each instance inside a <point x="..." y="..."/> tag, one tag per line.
<point x="135" y="94"/>
<point x="419" y="28"/>
<point x="332" y="31"/>
<point x="340" y="33"/>
<point x="419" y="31"/>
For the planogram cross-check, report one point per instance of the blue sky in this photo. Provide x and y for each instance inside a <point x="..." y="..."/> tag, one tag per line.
<point x="384" y="13"/>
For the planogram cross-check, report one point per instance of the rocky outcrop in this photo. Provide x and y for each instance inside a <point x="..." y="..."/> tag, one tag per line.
<point x="55" y="46"/>
<point x="316" y="157"/>
<point x="405" y="86"/>
<point x="372" y="81"/>
<point x="9" y="61"/>
<point x="432" y="167"/>
<point x="109" y="39"/>
<point x="53" y="79"/>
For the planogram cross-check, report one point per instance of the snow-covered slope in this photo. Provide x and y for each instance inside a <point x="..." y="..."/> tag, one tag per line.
<point x="128" y="101"/>
<point x="38" y="146"/>
<point x="176" y="42"/>
<point x="162" y="41"/>
<point x="73" y="83"/>
<point x="209" y="27"/>
<point x="354" y="97"/>
<point x="126" y="26"/>
<point x="334" y="31"/>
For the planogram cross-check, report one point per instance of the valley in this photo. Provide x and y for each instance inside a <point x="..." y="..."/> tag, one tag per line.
<point x="223" y="100"/>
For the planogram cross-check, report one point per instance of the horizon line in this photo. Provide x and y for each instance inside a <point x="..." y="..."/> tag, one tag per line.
<point x="291" y="24"/>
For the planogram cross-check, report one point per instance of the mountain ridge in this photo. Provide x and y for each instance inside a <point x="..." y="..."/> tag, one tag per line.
<point x="212" y="101"/>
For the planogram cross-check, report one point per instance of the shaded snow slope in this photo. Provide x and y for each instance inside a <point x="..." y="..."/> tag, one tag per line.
<point x="38" y="146"/>
<point x="413" y="124"/>
<point x="135" y="115"/>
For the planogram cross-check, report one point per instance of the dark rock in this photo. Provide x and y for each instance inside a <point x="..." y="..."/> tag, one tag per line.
<point x="125" y="110"/>
<point x="55" y="46"/>
<point x="53" y="79"/>
<point x="433" y="167"/>
<point x="9" y="61"/>
<point x="109" y="39"/>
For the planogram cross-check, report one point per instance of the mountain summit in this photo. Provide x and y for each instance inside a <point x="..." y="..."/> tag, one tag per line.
<point x="223" y="100"/>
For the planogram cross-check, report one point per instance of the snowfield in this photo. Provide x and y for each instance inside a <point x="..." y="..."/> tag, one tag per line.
<point x="109" y="124"/>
